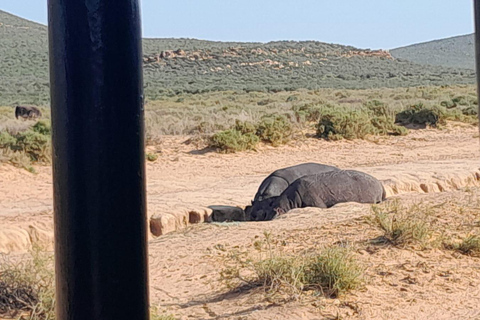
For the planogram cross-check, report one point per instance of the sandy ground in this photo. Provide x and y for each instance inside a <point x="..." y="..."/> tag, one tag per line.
<point x="185" y="265"/>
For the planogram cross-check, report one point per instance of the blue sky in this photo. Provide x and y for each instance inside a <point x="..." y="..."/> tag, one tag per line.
<point x="362" y="23"/>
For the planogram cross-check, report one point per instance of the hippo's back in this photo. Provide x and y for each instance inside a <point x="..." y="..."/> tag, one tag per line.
<point x="280" y="179"/>
<point x="342" y="186"/>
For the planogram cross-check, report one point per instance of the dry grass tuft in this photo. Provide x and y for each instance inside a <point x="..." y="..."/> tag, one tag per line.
<point x="27" y="287"/>
<point x="401" y="226"/>
<point x="332" y="271"/>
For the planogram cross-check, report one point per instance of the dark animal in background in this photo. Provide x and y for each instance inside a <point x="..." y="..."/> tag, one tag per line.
<point x="279" y="180"/>
<point x="27" y="112"/>
<point x="324" y="190"/>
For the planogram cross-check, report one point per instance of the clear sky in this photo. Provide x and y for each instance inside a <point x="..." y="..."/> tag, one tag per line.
<point x="362" y="23"/>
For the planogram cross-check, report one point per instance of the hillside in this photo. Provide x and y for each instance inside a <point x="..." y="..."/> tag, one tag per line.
<point x="455" y="52"/>
<point x="173" y="66"/>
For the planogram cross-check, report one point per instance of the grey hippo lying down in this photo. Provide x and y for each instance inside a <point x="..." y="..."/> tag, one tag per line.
<point x="304" y="185"/>
<point x="322" y="190"/>
<point x="279" y="180"/>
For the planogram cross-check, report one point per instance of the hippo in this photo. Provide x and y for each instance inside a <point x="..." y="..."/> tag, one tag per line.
<point x="323" y="190"/>
<point x="227" y="213"/>
<point x="27" y="112"/>
<point x="279" y="180"/>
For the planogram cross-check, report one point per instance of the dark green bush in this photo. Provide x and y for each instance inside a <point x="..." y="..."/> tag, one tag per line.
<point x="233" y="140"/>
<point x="336" y="125"/>
<point x="6" y="140"/>
<point x="421" y="114"/>
<point x="34" y="142"/>
<point x="461" y="100"/>
<point x="43" y="127"/>
<point x="245" y="127"/>
<point x="340" y="123"/>
<point x="309" y="112"/>
<point x="36" y="145"/>
<point x="274" y="129"/>
<point x="378" y="108"/>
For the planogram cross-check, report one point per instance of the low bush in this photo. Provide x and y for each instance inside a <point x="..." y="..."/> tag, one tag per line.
<point x="401" y="226"/>
<point x="421" y="114"/>
<point x="332" y="271"/>
<point x="233" y="140"/>
<point x="436" y="116"/>
<point x="34" y="143"/>
<point x="274" y="129"/>
<point x="28" y="287"/>
<point x="337" y="123"/>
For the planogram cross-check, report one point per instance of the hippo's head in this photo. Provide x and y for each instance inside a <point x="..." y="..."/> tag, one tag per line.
<point x="260" y="210"/>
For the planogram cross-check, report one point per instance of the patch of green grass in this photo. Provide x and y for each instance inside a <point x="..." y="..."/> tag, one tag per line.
<point x="333" y="271"/>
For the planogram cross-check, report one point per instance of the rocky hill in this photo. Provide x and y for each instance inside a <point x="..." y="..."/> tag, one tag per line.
<point x="173" y="66"/>
<point x="455" y="52"/>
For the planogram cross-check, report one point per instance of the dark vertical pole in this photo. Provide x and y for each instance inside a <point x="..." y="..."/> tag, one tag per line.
<point x="476" y="4"/>
<point x="98" y="159"/>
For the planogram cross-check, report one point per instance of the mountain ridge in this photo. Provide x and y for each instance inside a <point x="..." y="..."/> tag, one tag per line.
<point x="188" y="66"/>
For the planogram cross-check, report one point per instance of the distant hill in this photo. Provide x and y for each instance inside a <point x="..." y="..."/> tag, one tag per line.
<point x="174" y="66"/>
<point x="455" y="52"/>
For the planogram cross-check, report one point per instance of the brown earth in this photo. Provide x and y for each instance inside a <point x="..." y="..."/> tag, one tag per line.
<point x="401" y="283"/>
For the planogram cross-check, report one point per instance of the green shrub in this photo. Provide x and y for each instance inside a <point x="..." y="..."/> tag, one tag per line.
<point x="377" y="107"/>
<point x="336" y="125"/>
<point x="28" y="286"/>
<point x="309" y="112"/>
<point x="420" y="114"/>
<point x="245" y="127"/>
<point x="36" y="145"/>
<point x="461" y="100"/>
<point x="275" y="129"/>
<point x="151" y="156"/>
<point x="43" y="127"/>
<point x="6" y="140"/>
<point x="400" y="225"/>
<point x="335" y="270"/>
<point x="233" y="140"/>
<point x="470" y="111"/>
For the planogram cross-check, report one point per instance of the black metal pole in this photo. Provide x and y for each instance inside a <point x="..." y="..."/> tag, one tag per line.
<point x="476" y="4"/>
<point x="98" y="160"/>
